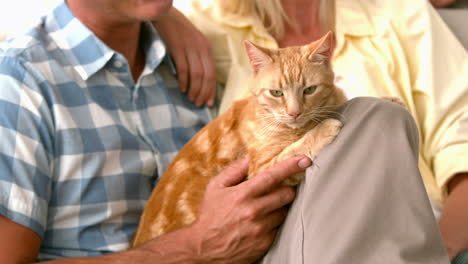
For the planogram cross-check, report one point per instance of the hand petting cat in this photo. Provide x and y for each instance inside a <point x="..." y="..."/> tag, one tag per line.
<point x="284" y="118"/>
<point x="238" y="219"/>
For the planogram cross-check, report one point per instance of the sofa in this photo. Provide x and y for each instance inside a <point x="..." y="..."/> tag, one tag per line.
<point x="456" y="17"/>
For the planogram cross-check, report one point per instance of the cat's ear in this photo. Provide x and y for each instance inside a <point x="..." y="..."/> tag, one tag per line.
<point x="322" y="49"/>
<point x="258" y="56"/>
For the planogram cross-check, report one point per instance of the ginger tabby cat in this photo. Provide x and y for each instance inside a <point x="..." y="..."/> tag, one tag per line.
<point x="293" y="98"/>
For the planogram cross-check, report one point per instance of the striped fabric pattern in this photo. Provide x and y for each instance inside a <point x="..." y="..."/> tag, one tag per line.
<point x="462" y="258"/>
<point x="83" y="143"/>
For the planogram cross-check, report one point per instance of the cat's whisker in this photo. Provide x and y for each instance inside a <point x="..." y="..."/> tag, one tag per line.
<point x="273" y="129"/>
<point x="324" y="110"/>
<point x="326" y="113"/>
<point x="265" y="115"/>
<point x="329" y="106"/>
<point x="266" y="118"/>
<point x="314" y="115"/>
<point x="268" y="127"/>
<point x="267" y="132"/>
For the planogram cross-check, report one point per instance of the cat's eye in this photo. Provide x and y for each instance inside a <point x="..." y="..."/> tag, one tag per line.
<point x="276" y="93"/>
<point x="310" y="89"/>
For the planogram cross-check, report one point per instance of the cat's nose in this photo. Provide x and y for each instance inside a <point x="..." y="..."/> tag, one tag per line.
<point x="294" y="114"/>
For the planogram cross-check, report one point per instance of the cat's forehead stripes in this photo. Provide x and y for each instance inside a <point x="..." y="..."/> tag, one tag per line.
<point x="293" y="69"/>
<point x="291" y="78"/>
<point x="291" y="72"/>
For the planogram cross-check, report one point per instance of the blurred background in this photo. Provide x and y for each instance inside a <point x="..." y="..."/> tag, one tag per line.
<point x="17" y="15"/>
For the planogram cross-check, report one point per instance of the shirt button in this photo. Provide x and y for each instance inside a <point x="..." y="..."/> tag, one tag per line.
<point x="118" y="64"/>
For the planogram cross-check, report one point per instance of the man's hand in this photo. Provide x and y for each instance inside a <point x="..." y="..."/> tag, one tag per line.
<point x="192" y="54"/>
<point x="238" y="219"/>
<point x="237" y="223"/>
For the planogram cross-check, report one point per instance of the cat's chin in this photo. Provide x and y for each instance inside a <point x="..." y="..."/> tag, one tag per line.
<point x="295" y="125"/>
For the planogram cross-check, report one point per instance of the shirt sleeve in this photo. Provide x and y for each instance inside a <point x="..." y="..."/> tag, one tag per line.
<point x="26" y="149"/>
<point x="439" y="69"/>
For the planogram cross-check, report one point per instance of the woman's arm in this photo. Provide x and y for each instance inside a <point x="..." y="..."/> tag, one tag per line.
<point x="192" y="55"/>
<point x="455" y="216"/>
<point x="438" y="66"/>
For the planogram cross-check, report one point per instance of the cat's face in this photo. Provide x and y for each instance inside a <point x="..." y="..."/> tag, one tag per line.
<point x="293" y="84"/>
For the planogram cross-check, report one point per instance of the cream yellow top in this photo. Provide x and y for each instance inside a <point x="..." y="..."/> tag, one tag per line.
<point x="398" y="48"/>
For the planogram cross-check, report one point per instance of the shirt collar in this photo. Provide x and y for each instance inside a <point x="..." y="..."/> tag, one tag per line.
<point x="86" y="52"/>
<point x="155" y="49"/>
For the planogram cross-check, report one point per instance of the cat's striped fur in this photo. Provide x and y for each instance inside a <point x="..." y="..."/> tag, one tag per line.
<point x="268" y="126"/>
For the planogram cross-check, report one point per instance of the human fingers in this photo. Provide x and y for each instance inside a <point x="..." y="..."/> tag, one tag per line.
<point x="265" y="229"/>
<point x="274" y="219"/>
<point x="171" y="27"/>
<point x="273" y="176"/>
<point x="182" y="69"/>
<point x="212" y="97"/>
<point x="195" y="69"/>
<point x="233" y="174"/>
<point x="206" y="94"/>
<point x="274" y="200"/>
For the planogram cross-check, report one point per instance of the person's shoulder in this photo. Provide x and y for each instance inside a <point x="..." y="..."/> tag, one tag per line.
<point x="396" y="7"/>
<point x="401" y="8"/>
<point x="202" y="11"/>
<point x="198" y="6"/>
<point x="399" y="13"/>
<point x="207" y="15"/>
<point x="381" y="7"/>
<point x="30" y="45"/>
<point x="25" y="54"/>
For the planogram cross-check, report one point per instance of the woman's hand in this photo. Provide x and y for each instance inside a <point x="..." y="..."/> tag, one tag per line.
<point x="192" y="54"/>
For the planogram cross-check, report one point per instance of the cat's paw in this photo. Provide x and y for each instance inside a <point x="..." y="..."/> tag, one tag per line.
<point x="329" y="129"/>
<point x="321" y="136"/>
<point x="394" y="99"/>
<point x="294" y="180"/>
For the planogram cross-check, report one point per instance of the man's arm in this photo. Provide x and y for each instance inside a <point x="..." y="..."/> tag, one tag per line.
<point x="237" y="223"/>
<point x="20" y="245"/>
<point x="453" y="223"/>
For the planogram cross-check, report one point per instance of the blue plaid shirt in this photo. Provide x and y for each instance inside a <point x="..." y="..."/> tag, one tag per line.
<point x="82" y="142"/>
